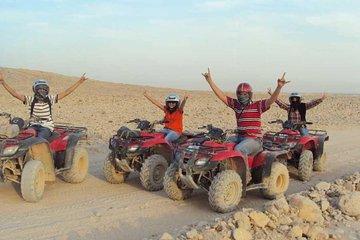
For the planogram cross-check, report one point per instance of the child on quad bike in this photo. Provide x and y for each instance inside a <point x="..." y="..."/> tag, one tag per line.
<point x="40" y="104"/>
<point x="173" y="119"/>
<point x="247" y="113"/>
<point x="297" y="110"/>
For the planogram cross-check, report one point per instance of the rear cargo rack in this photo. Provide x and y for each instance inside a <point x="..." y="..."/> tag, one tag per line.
<point x="68" y="127"/>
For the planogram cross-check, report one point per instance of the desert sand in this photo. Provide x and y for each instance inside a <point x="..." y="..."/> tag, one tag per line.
<point x="96" y="209"/>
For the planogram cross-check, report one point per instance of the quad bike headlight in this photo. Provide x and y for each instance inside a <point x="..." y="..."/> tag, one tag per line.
<point x="10" y="150"/>
<point x="133" y="148"/>
<point x="201" y="162"/>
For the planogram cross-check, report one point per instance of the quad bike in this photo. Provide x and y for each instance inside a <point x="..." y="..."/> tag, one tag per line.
<point x="212" y="164"/>
<point x="307" y="152"/>
<point x="32" y="161"/>
<point x="145" y="151"/>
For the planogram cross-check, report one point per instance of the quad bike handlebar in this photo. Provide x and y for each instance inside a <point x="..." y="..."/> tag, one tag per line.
<point x="16" y="120"/>
<point x="290" y="125"/>
<point x="147" y="125"/>
<point x="217" y="133"/>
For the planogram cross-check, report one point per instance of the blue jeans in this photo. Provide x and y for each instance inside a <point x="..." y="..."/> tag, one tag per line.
<point x="170" y="135"/>
<point x="41" y="131"/>
<point x="247" y="146"/>
<point x="304" y="131"/>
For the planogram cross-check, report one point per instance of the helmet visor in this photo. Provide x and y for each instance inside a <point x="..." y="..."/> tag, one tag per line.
<point x="294" y="99"/>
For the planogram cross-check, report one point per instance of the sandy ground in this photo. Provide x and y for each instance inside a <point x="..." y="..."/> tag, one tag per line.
<point x="96" y="209"/>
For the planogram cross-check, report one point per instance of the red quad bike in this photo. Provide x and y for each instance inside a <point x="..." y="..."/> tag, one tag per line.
<point x="212" y="164"/>
<point x="32" y="161"/>
<point x="307" y="152"/>
<point x="145" y="151"/>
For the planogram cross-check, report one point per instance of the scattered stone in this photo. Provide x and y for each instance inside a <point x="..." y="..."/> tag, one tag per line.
<point x="349" y="186"/>
<point x="308" y="210"/>
<point x="212" y="235"/>
<point x="349" y="203"/>
<point x="324" y="205"/>
<point x="259" y="219"/>
<point x="241" y="234"/>
<point x="326" y="212"/>
<point x="323" y="186"/>
<point x="317" y="233"/>
<point x="192" y="234"/>
<point x="166" y="236"/>
<point x="295" y="232"/>
<point x="242" y="220"/>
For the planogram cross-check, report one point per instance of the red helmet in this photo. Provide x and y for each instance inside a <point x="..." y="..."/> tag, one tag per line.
<point x="244" y="87"/>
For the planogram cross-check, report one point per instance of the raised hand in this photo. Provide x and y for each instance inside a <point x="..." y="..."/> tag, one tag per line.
<point x="83" y="78"/>
<point x="207" y="75"/>
<point x="282" y="81"/>
<point x="323" y="96"/>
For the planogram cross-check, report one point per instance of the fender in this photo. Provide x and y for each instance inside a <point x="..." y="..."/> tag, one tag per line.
<point x="165" y="150"/>
<point x="25" y="145"/>
<point x="221" y="155"/>
<point x="267" y="158"/>
<point x="72" y="141"/>
<point x="41" y="152"/>
<point x="154" y="141"/>
<point x="305" y="143"/>
<point x="320" y="147"/>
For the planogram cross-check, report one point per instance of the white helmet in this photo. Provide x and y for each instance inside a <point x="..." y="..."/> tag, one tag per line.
<point x="295" y="95"/>
<point x="172" y="98"/>
<point x="40" y="82"/>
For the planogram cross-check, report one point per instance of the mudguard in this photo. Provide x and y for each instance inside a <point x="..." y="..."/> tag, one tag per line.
<point x="266" y="158"/>
<point x="320" y="148"/>
<point x="221" y="155"/>
<point x="70" y="147"/>
<point x="306" y="143"/>
<point x="154" y="141"/>
<point x="41" y="151"/>
<point x="26" y="144"/>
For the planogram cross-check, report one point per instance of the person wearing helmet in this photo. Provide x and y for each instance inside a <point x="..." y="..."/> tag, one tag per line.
<point x="40" y="104"/>
<point x="173" y="119"/>
<point x="247" y="113"/>
<point x="297" y="110"/>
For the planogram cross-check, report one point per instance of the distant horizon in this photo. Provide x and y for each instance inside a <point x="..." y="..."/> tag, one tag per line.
<point x="205" y="89"/>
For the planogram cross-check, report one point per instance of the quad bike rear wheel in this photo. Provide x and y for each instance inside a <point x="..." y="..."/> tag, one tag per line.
<point x="278" y="181"/>
<point x="319" y="163"/>
<point x="305" y="165"/>
<point x="33" y="181"/>
<point x="172" y="184"/>
<point x="111" y="174"/>
<point x="152" y="172"/>
<point x="79" y="167"/>
<point x="225" y="191"/>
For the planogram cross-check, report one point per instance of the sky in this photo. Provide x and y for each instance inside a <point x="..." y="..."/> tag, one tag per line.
<point x="164" y="43"/>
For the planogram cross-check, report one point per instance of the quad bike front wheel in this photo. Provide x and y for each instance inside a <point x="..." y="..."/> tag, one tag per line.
<point x="172" y="184"/>
<point x="111" y="174"/>
<point x="79" y="167"/>
<point x="225" y="191"/>
<point x="305" y="165"/>
<point x="319" y="163"/>
<point x="278" y="181"/>
<point x="152" y="172"/>
<point x="33" y="181"/>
